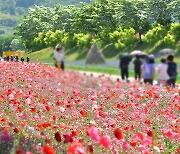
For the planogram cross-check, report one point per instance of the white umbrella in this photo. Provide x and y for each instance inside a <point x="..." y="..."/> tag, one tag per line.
<point x="137" y="52"/>
<point x="166" y="51"/>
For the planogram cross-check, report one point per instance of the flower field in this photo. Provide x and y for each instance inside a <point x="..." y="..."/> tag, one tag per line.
<point x="45" y="111"/>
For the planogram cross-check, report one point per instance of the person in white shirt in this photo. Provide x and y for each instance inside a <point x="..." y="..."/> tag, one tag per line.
<point x="59" y="57"/>
<point x="162" y="72"/>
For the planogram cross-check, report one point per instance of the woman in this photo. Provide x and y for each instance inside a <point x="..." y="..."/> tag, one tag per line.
<point x="148" y="70"/>
<point x="59" y="57"/>
<point x="163" y="77"/>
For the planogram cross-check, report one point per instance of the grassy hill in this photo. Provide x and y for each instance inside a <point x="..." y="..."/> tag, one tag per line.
<point x="7" y="23"/>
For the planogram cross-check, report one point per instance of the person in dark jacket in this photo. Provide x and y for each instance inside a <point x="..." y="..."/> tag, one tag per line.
<point x="124" y="63"/>
<point x="172" y="71"/>
<point x="137" y="67"/>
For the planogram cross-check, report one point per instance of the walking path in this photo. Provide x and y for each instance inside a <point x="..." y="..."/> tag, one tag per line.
<point x="112" y="77"/>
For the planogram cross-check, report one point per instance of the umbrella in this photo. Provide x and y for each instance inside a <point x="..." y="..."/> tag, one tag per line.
<point x="137" y="52"/>
<point x="166" y="51"/>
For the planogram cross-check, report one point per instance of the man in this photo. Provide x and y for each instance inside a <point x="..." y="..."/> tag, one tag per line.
<point x="137" y="67"/>
<point x="172" y="71"/>
<point x="124" y="63"/>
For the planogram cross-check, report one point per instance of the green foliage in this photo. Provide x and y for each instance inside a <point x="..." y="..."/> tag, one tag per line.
<point x="173" y="35"/>
<point x="83" y="40"/>
<point x="164" y="11"/>
<point x="5" y="43"/>
<point x="169" y="40"/>
<point x="123" y="37"/>
<point x="135" y="14"/>
<point x="16" y="44"/>
<point x="175" y="30"/>
<point x="49" y="39"/>
<point x="155" y="34"/>
<point x="68" y="40"/>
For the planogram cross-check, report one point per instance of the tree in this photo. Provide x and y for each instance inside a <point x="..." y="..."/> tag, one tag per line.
<point x="39" y="19"/>
<point x="16" y="45"/>
<point x="162" y="12"/>
<point x="64" y="16"/>
<point x="135" y="14"/>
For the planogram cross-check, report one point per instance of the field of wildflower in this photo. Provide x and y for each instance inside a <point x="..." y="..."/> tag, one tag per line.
<point x="47" y="111"/>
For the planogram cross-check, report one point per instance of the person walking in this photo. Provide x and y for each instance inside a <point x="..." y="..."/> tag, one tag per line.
<point x="172" y="71"/>
<point x="137" y="67"/>
<point x="59" y="57"/>
<point x="148" y="70"/>
<point x="123" y="65"/>
<point x="163" y="76"/>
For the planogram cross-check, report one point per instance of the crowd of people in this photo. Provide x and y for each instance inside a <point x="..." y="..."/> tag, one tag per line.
<point x="166" y="70"/>
<point x="16" y="59"/>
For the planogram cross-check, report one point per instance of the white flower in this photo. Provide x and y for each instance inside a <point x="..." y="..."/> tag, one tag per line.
<point x="94" y="107"/>
<point x="31" y="129"/>
<point x="62" y="109"/>
<point x="157" y="149"/>
<point x="92" y="122"/>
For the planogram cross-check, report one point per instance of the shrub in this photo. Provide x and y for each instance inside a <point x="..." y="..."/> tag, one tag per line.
<point x="123" y="37"/>
<point x="169" y="40"/>
<point x="83" y="40"/>
<point x="155" y="34"/>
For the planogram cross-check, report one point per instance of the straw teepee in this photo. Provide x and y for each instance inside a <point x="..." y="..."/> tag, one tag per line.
<point x="94" y="55"/>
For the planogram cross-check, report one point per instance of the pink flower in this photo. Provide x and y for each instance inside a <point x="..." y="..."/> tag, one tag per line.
<point x="5" y="136"/>
<point x="169" y="134"/>
<point x="94" y="134"/>
<point x="105" y="141"/>
<point x="125" y="145"/>
<point x="142" y="148"/>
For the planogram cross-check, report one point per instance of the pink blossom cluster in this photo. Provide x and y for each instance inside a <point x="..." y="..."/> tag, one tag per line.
<point x="45" y="110"/>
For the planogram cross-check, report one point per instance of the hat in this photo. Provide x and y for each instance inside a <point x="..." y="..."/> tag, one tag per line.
<point x="151" y="56"/>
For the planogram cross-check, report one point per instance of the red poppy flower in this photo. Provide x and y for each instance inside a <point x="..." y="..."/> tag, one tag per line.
<point x="58" y="136"/>
<point x="33" y="109"/>
<point x="19" y="151"/>
<point x="67" y="138"/>
<point x="48" y="150"/>
<point x="74" y="133"/>
<point x="16" y="130"/>
<point x="133" y="144"/>
<point x="83" y="113"/>
<point x="54" y="117"/>
<point x="150" y="133"/>
<point x="47" y="108"/>
<point x="90" y="149"/>
<point x="118" y="133"/>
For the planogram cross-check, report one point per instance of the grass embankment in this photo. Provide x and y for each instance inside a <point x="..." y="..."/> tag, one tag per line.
<point x="73" y="54"/>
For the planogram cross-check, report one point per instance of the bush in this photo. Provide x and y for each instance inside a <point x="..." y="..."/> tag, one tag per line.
<point x="155" y="34"/>
<point x="83" y="40"/>
<point x="175" y="30"/>
<point x="169" y="40"/>
<point x="68" y="40"/>
<point x="123" y="37"/>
